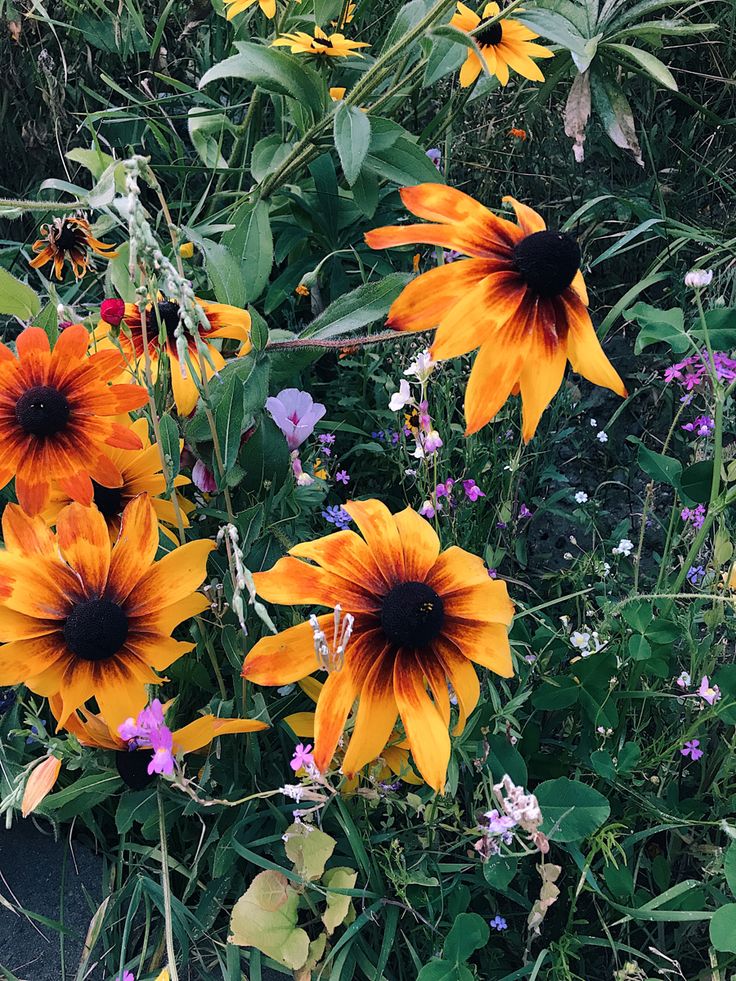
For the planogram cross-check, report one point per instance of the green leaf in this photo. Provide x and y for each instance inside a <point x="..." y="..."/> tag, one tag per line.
<point x="639" y="648"/>
<point x="556" y="28"/>
<point x="251" y="241"/>
<point x="696" y="480"/>
<point x="723" y="929"/>
<point x="615" y="113"/>
<point x="658" y="327"/>
<point x="729" y="867"/>
<point x="48" y="320"/>
<point x="438" y="970"/>
<point x="404" y="163"/>
<point x="571" y="810"/>
<point x="93" y="160"/>
<point x="16" y="298"/>
<point x="268" y="154"/>
<point x="356" y="310"/>
<point x="651" y="65"/>
<point x="225" y="273"/>
<point x="408" y="17"/>
<point x="338" y="905"/>
<point x="170" y="443"/>
<point x="229" y="420"/>
<point x="266" y="917"/>
<point x="274" y="71"/>
<point x="309" y="849"/>
<point x="664" y="469"/>
<point x="205" y="132"/>
<point x="352" y="131"/>
<point x="446" y="56"/>
<point x="469" y="933"/>
<point x="721" y="324"/>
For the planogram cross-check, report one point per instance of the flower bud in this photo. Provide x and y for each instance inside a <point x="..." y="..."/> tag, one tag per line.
<point x="698" y="278"/>
<point x="112" y="311"/>
<point x="40" y="782"/>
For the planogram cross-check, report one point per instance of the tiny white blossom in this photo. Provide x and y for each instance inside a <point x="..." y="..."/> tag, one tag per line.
<point x="580" y="639"/>
<point x="602" y="436"/>
<point x="402" y="397"/>
<point x="624" y="547"/>
<point x="285" y="690"/>
<point x="605" y="569"/>
<point x="581" y="497"/>
<point x="593" y="423"/>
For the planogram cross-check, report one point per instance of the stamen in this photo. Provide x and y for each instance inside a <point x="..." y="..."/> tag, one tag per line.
<point x="332" y="658"/>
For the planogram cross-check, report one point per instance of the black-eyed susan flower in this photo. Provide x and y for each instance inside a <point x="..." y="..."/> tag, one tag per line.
<point x="520" y="298"/>
<point x="327" y="45"/>
<point x="394" y="758"/>
<point x="133" y="755"/>
<point x="419" y="619"/>
<point x="81" y="618"/>
<point x="235" y="7"/>
<point x="141" y="473"/>
<point x="504" y="43"/>
<point x="69" y="240"/>
<point x="223" y="320"/>
<point x="56" y="416"/>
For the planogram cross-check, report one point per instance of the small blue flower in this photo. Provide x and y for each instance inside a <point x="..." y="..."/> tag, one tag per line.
<point x="498" y="923"/>
<point x="337" y="516"/>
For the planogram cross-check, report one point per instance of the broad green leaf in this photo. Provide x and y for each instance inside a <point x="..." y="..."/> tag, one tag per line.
<point x="268" y="154"/>
<point x="404" y="163"/>
<point x="225" y="273"/>
<point x="352" y="130"/>
<point x="499" y="871"/>
<point x="274" y="71"/>
<point x="639" y="648"/>
<point x="16" y="298"/>
<point x="229" y="420"/>
<point x="94" y="160"/>
<point x="469" y="933"/>
<point x="205" y="132"/>
<point x="439" y="970"/>
<point x="309" y="849"/>
<point x="356" y="310"/>
<point x="615" y="113"/>
<point x="556" y="28"/>
<point x="571" y="810"/>
<point x="658" y="327"/>
<point x="729" y="867"/>
<point x="721" y="324"/>
<point x="48" y="320"/>
<point x="338" y="905"/>
<point x="723" y="929"/>
<point x="651" y="65"/>
<point x="446" y="56"/>
<point x="251" y="242"/>
<point x="696" y="481"/>
<point x="265" y="917"/>
<point x="408" y="17"/>
<point x="664" y="469"/>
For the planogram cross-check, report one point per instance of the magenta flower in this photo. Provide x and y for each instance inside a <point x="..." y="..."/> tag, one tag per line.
<point x="695" y="515"/>
<point x="711" y="694"/>
<point x="162" y="744"/>
<point x="428" y="510"/>
<point x="691" y="749"/>
<point x="524" y="512"/>
<point x="296" y="414"/>
<point x="127" y="976"/>
<point x="472" y="491"/>
<point x="203" y="478"/>
<point x="302" y="758"/>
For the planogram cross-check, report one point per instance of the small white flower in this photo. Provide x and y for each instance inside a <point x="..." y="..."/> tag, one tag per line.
<point x="422" y="366"/>
<point x="285" y="690"/>
<point x="698" y="278"/>
<point x="580" y="640"/>
<point x="602" y="436"/>
<point x="568" y="556"/>
<point x="624" y="547"/>
<point x="593" y="423"/>
<point x="581" y="497"/>
<point x="401" y="398"/>
<point x="605" y="569"/>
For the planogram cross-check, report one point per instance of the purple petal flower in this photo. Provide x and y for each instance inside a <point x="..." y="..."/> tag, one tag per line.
<point x="337" y="516"/>
<point x="303" y="757"/>
<point x="498" y="923"/>
<point x="162" y="744"/>
<point x="691" y="749"/>
<point x="343" y="476"/>
<point x="203" y="478"/>
<point x="472" y="491"/>
<point x="296" y="414"/>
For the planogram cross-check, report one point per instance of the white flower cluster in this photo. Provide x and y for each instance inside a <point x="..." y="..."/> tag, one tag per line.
<point x="242" y="579"/>
<point x="586" y="641"/>
<point x="522" y="807"/>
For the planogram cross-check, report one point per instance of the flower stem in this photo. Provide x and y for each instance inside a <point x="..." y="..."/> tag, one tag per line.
<point x="166" y="887"/>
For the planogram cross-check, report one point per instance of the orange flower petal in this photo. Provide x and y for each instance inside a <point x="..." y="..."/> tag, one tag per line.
<point x="427" y="733"/>
<point x="334" y="703"/>
<point x="22" y="533"/>
<point x="425" y="301"/>
<point x="283" y="658"/>
<point x="39" y="784"/>
<point x="85" y="545"/>
<point x="135" y="549"/>
<point x="585" y="352"/>
<point x="463" y="678"/>
<point x="455" y="571"/>
<point x="486" y="644"/>
<point x="488" y="602"/>
<point x="540" y="380"/>
<point x="345" y="554"/>
<point x="377" y="712"/>
<point x="177" y="575"/>
<point x="528" y="219"/>
<point x="495" y="371"/>
<point x="438" y="202"/>
<point x="419" y="542"/>
<point x="201" y="732"/>
<point x="295" y="582"/>
<point x="479" y="316"/>
<point x="22" y="658"/>
<point x="377" y="526"/>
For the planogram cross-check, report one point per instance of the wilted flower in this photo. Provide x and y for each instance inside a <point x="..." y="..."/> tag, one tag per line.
<point x="296" y="414"/>
<point x="684" y="680"/>
<point x="203" y="478"/>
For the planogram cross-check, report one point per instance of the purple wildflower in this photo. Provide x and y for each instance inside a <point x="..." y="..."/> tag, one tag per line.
<point x="691" y="749"/>
<point x="691" y="372"/>
<point x="472" y="491"/>
<point x="694" y="515"/>
<point x="162" y="744"/>
<point x="498" y="923"/>
<point x="710" y="693"/>
<point x="524" y="512"/>
<point x="701" y="425"/>
<point x="203" y="478"/>
<point x="695" y="575"/>
<point x="337" y="516"/>
<point x="343" y="476"/>
<point x="435" y="155"/>
<point x="302" y="758"/>
<point x="296" y="414"/>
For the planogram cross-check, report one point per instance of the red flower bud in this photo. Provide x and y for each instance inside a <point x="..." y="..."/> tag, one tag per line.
<point x="112" y="311"/>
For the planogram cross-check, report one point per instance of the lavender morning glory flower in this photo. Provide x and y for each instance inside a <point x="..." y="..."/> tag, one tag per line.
<point x="296" y="414"/>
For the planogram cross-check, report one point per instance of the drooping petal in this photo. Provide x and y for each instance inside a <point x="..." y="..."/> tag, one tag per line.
<point x="495" y="371"/>
<point x="486" y="644"/>
<point x="200" y="733"/>
<point x="438" y="202"/>
<point x="540" y="380"/>
<point x="334" y="704"/>
<point x="424" y="727"/>
<point x="528" y="219"/>
<point x="283" y="658"/>
<point x="584" y="349"/>
<point x="376" y="716"/>
<point x="463" y="678"/>
<point x="479" y="316"/>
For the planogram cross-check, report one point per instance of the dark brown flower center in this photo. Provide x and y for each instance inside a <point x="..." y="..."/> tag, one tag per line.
<point x="109" y="500"/>
<point x="95" y="630"/>
<point x="322" y="42"/>
<point x="69" y="237"/>
<point x="547" y="261"/>
<point x="412" y="614"/>
<point x="42" y="411"/>
<point x="133" y="768"/>
<point x="489" y="35"/>
<point x="169" y="314"/>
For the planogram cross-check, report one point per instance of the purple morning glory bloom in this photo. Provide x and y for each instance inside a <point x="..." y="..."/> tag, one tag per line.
<point x="296" y="414"/>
